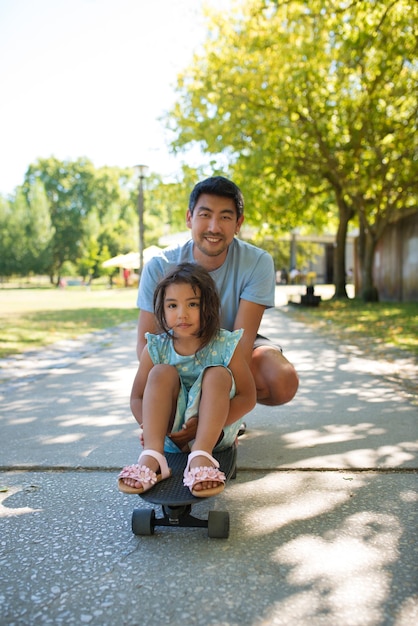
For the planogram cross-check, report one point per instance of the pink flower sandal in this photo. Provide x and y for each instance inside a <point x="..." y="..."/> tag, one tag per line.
<point x="197" y="475"/>
<point x="144" y="474"/>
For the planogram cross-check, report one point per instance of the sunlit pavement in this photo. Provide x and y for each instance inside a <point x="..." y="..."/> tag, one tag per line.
<point x="323" y="511"/>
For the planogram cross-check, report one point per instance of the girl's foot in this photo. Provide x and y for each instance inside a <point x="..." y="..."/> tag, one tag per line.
<point x="144" y="461"/>
<point x="203" y="479"/>
<point x="144" y="475"/>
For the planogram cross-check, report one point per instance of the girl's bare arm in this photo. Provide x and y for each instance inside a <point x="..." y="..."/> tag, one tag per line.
<point x="138" y="387"/>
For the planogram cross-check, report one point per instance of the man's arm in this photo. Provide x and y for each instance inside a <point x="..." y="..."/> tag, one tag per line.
<point x="245" y="394"/>
<point x="146" y="324"/>
<point x="249" y="318"/>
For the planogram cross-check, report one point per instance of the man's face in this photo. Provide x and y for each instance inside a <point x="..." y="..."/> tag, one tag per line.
<point x="213" y="224"/>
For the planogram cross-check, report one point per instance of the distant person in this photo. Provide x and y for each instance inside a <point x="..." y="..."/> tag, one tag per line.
<point x="192" y="370"/>
<point x="245" y="278"/>
<point x="282" y="277"/>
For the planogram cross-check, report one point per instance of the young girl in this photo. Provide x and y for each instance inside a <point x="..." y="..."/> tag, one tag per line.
<point x="192" y="369"/>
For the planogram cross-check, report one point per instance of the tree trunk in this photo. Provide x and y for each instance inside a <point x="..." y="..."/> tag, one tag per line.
<point x="345" y="215"/>
<point x="339" y="260"/>
<point x="369" y="292"/>
<point x="367" y="246"/>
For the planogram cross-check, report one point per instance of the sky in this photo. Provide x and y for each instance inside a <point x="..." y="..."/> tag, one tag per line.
<point x="90" y="78"/>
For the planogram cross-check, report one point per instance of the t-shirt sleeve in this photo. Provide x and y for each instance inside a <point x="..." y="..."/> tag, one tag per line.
<point x="261" y="285"/>
<point x="151" y="274"/>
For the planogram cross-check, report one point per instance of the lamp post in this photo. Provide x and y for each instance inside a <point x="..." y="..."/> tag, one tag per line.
<point x="141" y="169"/>
<point x="294" y="233"/>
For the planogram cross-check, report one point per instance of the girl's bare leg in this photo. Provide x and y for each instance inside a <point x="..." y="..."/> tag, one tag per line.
<point x="213" y="412"/>
<point x="158" y="407"/>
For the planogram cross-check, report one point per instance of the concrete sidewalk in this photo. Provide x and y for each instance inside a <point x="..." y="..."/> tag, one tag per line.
<point x="323" y="511"/>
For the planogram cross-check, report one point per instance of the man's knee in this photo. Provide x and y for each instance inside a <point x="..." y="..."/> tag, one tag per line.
<point x="286" y="385"/>
<point x="275" y="377"/>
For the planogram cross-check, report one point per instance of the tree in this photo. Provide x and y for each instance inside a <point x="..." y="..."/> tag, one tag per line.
<point x="84" y="203"/>
<point x="40" y="232"/>
<point x="25" y="232"/>
<point x="315" y="106"/>
<point x="68" y="186"/>
<point x="9" y="237"/>
<point x="166" y="204"/>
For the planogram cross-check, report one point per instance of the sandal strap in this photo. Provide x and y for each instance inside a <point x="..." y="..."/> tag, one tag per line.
<point x="196" y="453"/>
<point x="160" y="458"/>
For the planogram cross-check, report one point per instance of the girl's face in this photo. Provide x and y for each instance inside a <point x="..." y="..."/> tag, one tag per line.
<point x="182" y="310"/>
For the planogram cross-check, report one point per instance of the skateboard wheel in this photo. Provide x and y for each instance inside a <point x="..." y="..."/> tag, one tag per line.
<point x="218" y="524"/>
<point x="143" y="521"/>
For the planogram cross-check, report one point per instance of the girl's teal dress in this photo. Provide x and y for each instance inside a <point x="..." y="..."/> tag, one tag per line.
<point x="191" y="368"/>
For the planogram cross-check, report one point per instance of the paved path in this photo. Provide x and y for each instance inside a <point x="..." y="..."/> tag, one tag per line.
<point x="323" y="512"/>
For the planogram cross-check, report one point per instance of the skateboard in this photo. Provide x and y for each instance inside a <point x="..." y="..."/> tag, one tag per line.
<point x="176" y="500"/>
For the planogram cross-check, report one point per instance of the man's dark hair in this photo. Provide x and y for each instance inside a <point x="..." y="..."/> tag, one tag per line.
<point x="203" y="285"/>
<point x="218" y="186"/>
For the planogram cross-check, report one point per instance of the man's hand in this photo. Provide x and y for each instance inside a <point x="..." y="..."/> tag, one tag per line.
<point x="186" y="434"/>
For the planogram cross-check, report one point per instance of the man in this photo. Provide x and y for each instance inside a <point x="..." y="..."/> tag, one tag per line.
<point x="245" y="278"/>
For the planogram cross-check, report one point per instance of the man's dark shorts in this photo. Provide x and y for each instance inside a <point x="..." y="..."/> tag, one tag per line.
<point x="260" y="340"/>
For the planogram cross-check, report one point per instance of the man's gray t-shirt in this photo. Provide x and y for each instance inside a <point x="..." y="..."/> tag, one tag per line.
<point x="247" y="273"/>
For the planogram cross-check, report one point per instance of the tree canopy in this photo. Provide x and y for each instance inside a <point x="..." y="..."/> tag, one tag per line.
<point x="315" y="107"/>
<point x="69" y="216"/>
<point x="312" y="106"/>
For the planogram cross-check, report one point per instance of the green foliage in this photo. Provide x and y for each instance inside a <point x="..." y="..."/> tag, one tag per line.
<point x="80" y="199"/>
<point x="276" y="244"/>
<point x="87" y="264"/>
<point x="166" y="205"/>
<point x="69" y="216"/>
<point x="26" y="233"/>
<point x="314" y="105"/>
<point x="65" y="215"/>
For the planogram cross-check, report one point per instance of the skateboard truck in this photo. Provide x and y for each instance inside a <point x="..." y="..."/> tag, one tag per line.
<point x="144" y="521"/>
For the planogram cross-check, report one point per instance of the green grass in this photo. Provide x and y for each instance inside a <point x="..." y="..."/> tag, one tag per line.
<point x="33" y="318"/>
<point x="376" y="327"/>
